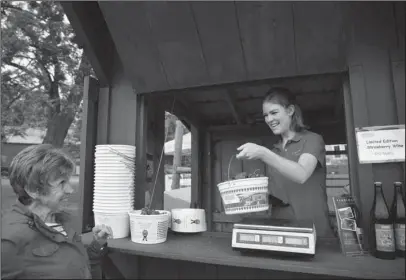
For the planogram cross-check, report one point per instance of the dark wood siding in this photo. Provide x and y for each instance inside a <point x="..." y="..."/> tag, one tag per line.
<point x="174" y="45"/>
<point x="373" y="86"/>
<point x="173" y="269"/>
<point x="139" y="267"/>
<point x="319" y="44"/>
<point x="295" y="39"/>
<point x="267" y="38"/>
<point x="221" y="17"/>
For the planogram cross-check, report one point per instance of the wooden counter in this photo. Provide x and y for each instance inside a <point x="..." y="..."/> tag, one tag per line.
<point x="202" y="248"/>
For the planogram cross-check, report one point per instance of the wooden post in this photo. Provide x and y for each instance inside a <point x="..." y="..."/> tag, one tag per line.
<point x="158" y="132"/>
<point x="177" y="158"/>
<point x="372" y="95"/>
<point x="87" y="147"/>
<point x="209" y="180"/>
<point x="373" y="103"/>
<point x="196" y="170"/>
<point x="103" y="119"/>
<point x="351" y="142"/>
<point x="141" y="152"/>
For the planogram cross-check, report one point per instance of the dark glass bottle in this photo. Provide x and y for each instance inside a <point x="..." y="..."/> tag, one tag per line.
<point x="382" y="233"/>
<point x="399" y="217"/>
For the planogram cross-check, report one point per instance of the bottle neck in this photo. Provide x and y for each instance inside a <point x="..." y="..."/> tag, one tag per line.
<point x="379" y="197"/>
<point x="398" y="195"/>
<point x="399" y="204"/>
<point x="399" y="198"/>
<point x="395" y="193"/>
<point x="398" y="191"/>
<point x="378" y="191"/>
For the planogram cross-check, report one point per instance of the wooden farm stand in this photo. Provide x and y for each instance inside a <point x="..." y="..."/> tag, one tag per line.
<point x="212" y="62"/>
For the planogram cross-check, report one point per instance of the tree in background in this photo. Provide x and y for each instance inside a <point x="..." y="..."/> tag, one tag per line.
<point x="170" y="125"/>
<point x="42" y="74"/>
<point x="42" y="70"/>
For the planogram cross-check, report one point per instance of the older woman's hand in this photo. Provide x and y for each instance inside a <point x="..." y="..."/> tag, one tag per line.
<point x="101" y="233"/>
<point x="251" y="151"/>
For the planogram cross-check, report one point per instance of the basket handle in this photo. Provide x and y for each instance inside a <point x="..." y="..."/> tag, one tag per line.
<point x="229" y="166"/>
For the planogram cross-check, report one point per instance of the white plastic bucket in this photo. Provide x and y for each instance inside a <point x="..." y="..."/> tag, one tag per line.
<point x="149" y="229"/>
<point x="244" y="195"/>
<point x="188" y="220"/>
<point x="118" y="222"/>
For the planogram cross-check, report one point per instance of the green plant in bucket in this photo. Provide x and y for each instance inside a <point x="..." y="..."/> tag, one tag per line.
<point x="244" y="175"/>
<point x="148" y="211"/>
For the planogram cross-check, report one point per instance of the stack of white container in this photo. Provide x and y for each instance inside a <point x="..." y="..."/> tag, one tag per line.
<point x="114" y="187"/>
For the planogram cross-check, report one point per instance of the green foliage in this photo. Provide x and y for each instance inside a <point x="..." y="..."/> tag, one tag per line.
<point x="42" y="69"/>
<point x="42" y="73"/>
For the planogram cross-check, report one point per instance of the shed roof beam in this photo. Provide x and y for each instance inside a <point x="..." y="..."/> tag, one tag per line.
<point x="231" y="103"/>
<point x="93" y="35"/>
<point x="181" y="108"/>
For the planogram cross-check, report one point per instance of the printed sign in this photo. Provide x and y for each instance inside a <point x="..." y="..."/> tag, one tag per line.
<point x="400" y="236"/>
<point x="381" y="144"/>
<point x="348" y="225"/>
<point x="385" y="239"/>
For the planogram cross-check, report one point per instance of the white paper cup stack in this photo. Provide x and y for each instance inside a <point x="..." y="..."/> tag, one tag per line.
<point x="114" y="187"/>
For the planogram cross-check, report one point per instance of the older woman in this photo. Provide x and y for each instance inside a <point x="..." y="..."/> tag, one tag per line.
<point x="36" y="241"/>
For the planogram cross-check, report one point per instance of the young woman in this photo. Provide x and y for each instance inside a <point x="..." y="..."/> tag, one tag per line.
<point x="36" y="240"/>
<point x="296" y="163"/>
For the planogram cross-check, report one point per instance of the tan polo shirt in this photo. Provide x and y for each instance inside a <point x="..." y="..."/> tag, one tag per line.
<point x="309" y="200"/>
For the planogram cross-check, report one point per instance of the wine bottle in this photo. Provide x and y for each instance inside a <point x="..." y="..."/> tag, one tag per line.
<point x="399" y="217"/>
<point x="382" y="233"/>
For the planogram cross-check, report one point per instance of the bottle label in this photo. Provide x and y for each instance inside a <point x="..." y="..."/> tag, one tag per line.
<point x="400" y="236"/>
<point x="385" y="239"/>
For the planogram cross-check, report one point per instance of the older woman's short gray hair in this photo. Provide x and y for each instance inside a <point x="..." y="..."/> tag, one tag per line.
<point x="35" y="166"/>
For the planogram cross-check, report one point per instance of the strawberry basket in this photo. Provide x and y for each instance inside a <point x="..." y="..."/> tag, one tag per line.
<point x="246" y="195"/>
